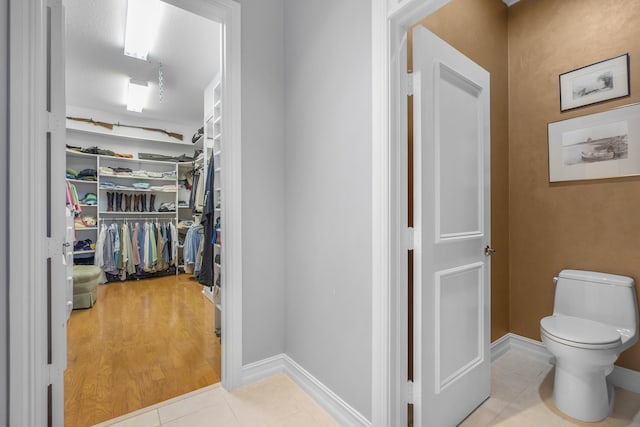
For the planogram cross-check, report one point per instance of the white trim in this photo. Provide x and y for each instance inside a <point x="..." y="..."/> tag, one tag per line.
<point x="256" y="371"/>
<point x="500" y="347"/>
<point x="533" y="347"/>
<point x="232" y="226"/>
<point x="27" y="305"/>
<point x="320" y="393"/>
<point x="388" y="252"/>
<point x="518" y="342"/>
<point x="380" y="220"/>
<point x="228" y="13"/>
<point x="627" y="379"/>
<point x="324" y="396"/>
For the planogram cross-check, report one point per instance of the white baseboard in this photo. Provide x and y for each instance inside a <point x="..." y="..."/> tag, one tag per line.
<point x="500" y="346"/>
<point x="625" y="378"/>
<point x="320" y="393"/>
<point x="621" y="377"/>
<point x="262" y="369"/>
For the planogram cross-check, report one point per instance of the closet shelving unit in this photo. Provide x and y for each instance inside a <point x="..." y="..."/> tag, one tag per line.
<point x="216" y="147"/>
<point x="79" y="161"/>
<point x="213" y="152"/>
<point x="184" y="212"/>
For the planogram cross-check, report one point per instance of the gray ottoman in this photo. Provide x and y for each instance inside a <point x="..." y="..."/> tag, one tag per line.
<point x="85" y="285"/>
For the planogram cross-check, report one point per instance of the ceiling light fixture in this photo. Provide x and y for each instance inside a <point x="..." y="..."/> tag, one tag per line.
<point x="137" y="95"/>
<point x="141" y="29"/>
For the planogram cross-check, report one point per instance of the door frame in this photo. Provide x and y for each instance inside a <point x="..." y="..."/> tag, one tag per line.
<point x="28" y="370"/>
<point x="390" y="240"/>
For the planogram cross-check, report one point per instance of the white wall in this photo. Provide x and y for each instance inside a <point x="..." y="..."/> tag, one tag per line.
<point x="263" y="263"/>
<point x="328" y="193"/>
<point x="4" y="309"/>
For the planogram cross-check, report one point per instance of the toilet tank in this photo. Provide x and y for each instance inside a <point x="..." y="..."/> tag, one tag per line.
<point x="602" y="297"/>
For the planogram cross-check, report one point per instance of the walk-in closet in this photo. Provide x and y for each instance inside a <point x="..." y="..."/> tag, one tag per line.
<point x="144" y="194"/>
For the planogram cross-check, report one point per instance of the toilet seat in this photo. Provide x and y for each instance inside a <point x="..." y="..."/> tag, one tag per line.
<point x="578" y="332"/>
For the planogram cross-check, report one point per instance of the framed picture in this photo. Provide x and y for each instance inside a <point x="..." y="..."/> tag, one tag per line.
<point x="596" y="146"/>
<point x="602" y="81"/>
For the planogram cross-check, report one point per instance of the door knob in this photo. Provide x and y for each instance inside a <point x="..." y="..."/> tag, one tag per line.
<point x="488" y="251"/>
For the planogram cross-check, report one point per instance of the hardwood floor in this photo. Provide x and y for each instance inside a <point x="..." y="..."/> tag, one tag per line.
<point x="143" y="342"/>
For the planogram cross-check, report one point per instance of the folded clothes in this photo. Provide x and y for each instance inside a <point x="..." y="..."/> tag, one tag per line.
<point x="83" y="245"/>
<point x="107" y="184"/>
<point x="89" y="199"/>
<point x="122" y="170"/>
<point x="72" y="172"/>
<point x="167" y="207"/>
<point x="106" y="170"/>
<point x="96" y="150"/>
<point x="87" y="172"/>
<point x="141" y="185"/>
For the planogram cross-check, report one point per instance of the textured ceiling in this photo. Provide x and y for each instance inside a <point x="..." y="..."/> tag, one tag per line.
<point x="187" y="45"/>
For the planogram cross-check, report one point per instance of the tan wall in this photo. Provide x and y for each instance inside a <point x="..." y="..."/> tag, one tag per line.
<point x="592" y="225"/>
<point x="478" y="29"/>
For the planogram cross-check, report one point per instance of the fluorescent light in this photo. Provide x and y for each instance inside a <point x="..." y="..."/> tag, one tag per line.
<point x="137" y="95"/>
<point x="142" y="27"/>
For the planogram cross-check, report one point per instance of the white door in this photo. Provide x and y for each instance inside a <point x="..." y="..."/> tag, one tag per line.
<point x="452" y="229"/>
<point x="59" y="264"/>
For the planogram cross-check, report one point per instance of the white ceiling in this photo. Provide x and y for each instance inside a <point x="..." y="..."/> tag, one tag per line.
<point x="187" y="45"/>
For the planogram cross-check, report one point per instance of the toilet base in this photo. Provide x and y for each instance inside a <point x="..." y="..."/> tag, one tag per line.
<point x="585" y="395"/>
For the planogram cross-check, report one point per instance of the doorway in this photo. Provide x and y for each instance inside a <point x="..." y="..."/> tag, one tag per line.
<point x="481" y="19"/>
<point x="35" y="326"/>
<point x="149" y="335"/>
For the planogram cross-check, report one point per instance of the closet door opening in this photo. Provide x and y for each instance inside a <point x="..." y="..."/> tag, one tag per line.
<point x="146" y="194"/>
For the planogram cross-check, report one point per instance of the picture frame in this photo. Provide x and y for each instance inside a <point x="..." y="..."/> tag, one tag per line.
<point x="599" y="82"/>
<point x="595" y="146"/>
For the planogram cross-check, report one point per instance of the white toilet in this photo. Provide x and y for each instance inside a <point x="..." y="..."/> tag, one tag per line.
<point x="595" y="318"/>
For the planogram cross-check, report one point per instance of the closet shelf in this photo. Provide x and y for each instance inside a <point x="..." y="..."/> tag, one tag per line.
<point x="172" y="213"/>
<point x="135" y="178"/>
<point x="217" y="153"/>
<point x="217" y="245"/>
<point x="87" y="206"/>
<point x="217" y="169"/>
<point x="83" y="252"/>
<point x="72" y="153"/>
<point x="217" y="265"/>
<point x="81" y="181"/>
<point x="135" y="190"/>
<point x="85" y="228"/>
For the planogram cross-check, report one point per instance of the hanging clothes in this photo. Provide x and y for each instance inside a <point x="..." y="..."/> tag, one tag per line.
<point x="136" y="250"/>
<point x="206" y="272"/>
<point x="191" y="246"/>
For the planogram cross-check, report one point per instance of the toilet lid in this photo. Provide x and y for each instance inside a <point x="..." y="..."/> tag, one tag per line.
<point x="580" y="331"/>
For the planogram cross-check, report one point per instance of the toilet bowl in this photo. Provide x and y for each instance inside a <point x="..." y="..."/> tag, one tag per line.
<point x="595" y="318"/>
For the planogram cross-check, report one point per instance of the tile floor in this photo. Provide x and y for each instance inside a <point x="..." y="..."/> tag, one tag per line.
<point x="275" y="401"/>
<point x="521" y="386"/>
